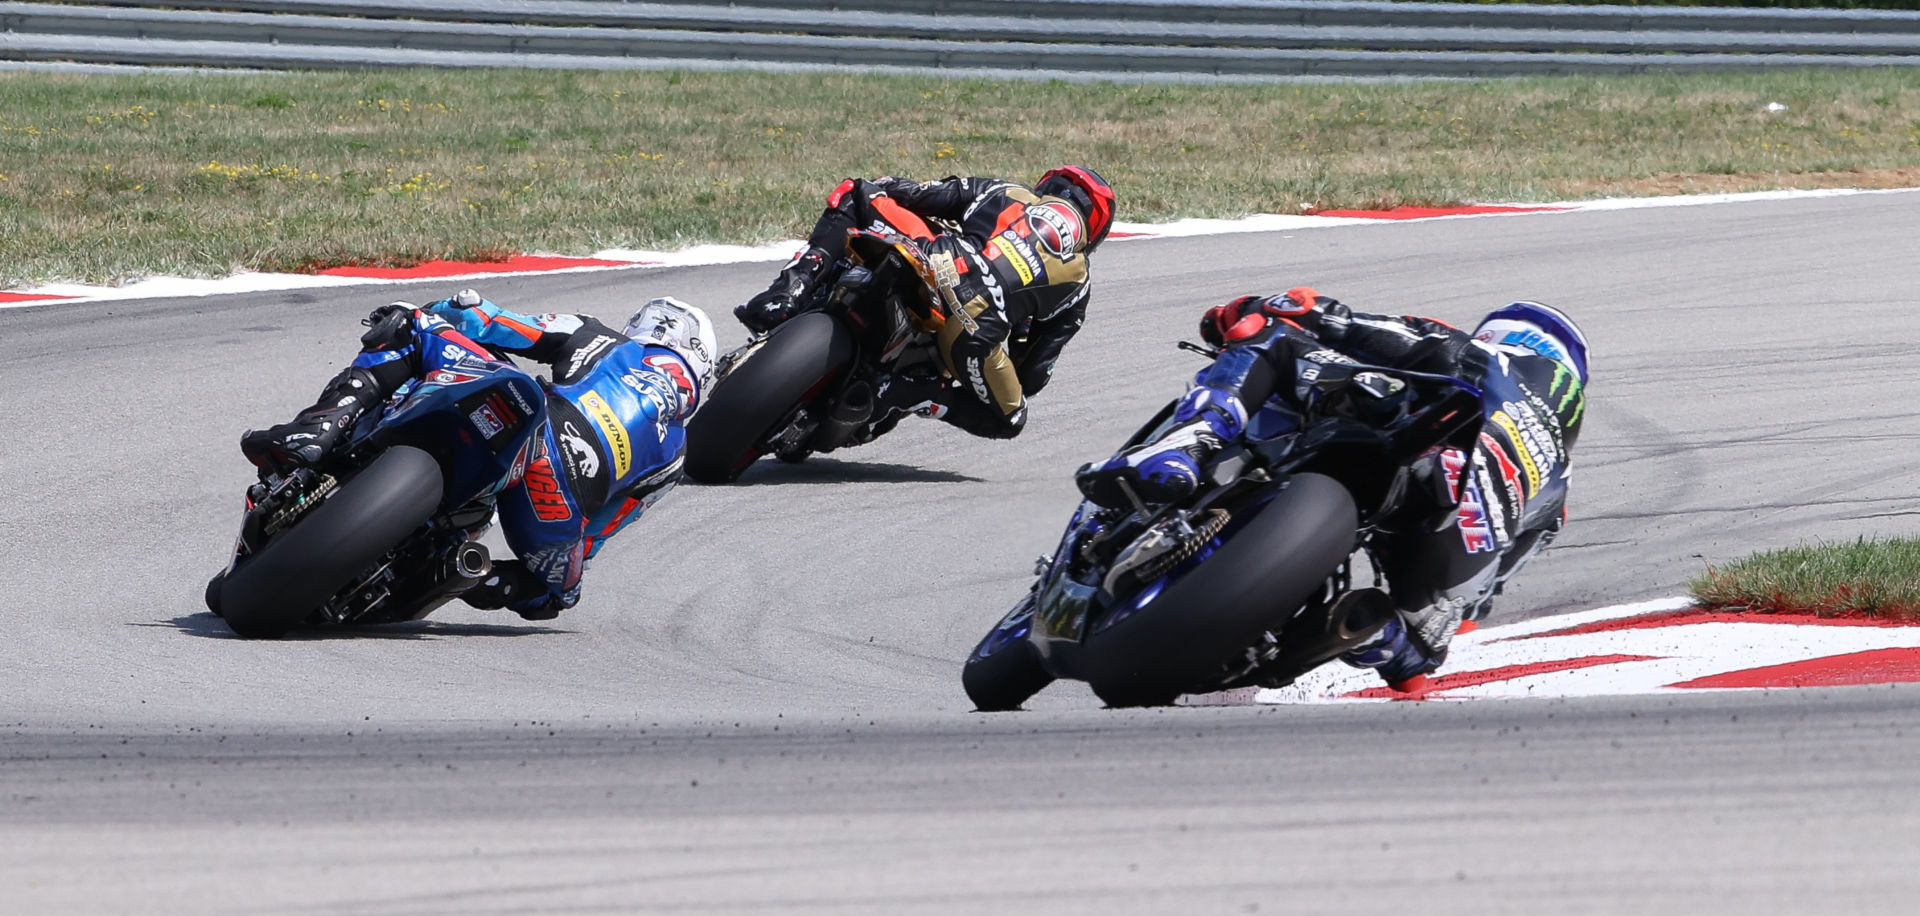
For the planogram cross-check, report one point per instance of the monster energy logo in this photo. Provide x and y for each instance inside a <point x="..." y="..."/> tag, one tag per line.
<point x="1576" y="395"/>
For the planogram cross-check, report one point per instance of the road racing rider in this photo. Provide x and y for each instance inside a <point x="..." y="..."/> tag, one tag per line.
<point x="1014" y="280"/>
<point x="1505" y="501"/>
<point x="611" y="447"/>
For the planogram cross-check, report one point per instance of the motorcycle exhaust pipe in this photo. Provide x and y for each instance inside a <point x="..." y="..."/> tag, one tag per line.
<point x="848" y="416"/>
<point x="470" y="561"/>
<point x="1315" y="638"/>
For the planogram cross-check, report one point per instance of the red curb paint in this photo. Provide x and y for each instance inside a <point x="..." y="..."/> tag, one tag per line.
<point x="456" y="268"/>
<point x="1508" y="673"/>
<point x="1878" y="666"/>
<point x="1130" y="235"/>
<point x="1430" y="212"/>
<point x="29" y="297"/>
<point x="1687" y="616"/>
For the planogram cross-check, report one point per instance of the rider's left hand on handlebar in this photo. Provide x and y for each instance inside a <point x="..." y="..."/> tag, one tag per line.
<point x="389" y="327"/>
<point x="1235" y="321"/>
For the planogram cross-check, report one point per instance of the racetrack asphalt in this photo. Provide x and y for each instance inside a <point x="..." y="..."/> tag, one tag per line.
<point x="756" y="707"/>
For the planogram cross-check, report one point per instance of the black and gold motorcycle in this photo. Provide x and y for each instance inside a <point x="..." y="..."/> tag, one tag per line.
<point x="809" y="385"/>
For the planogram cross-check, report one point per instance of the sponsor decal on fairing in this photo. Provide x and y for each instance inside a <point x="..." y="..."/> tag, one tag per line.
<point x="484" y="420"/>
<point x="450" y="377"/>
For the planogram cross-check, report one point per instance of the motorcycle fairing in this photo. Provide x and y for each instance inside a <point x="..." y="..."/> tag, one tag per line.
<point x="471" y="412"/>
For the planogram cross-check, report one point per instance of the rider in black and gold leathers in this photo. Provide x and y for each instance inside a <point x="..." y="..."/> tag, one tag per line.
<point x="1014" y="282"/>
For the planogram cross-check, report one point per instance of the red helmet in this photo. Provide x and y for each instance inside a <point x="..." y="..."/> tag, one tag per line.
<point x="1088" y="192"/>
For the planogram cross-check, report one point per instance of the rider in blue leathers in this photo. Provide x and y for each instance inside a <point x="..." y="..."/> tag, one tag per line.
<point x="1502" y="502"/>
<point x="611" y="446"/>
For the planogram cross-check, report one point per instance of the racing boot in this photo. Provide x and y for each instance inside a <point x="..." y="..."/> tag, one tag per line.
<point x="507" y="582"/>
<point x="767" y="310"/>
<point x="1412" y="645"/>
<point x="1168" y="468"/>
<point x="315" y="431"/>
<point x="900" y="396"/>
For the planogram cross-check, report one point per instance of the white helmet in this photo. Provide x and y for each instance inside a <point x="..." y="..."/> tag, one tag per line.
<point x="688" y="332"/>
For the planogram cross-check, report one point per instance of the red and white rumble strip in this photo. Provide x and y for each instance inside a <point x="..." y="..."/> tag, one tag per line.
<point x="1650" y="647"/>
<point x="625" y="259"/>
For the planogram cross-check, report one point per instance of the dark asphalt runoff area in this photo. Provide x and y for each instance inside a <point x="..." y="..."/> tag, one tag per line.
<point x="756" y="706"/>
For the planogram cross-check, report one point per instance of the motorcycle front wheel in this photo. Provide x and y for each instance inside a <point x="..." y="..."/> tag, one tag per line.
<point x="278" y="588"/>
<point x="1004" y="670"/>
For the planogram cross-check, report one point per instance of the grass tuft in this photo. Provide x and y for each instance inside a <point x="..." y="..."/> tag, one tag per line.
<point x="1866" y="578"/>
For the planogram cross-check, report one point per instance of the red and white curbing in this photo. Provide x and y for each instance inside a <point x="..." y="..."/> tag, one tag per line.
<point x="702" y="255"/>
<point x="1651" y="647"/>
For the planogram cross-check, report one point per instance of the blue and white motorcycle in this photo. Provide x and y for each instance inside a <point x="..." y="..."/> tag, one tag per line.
<point x="1248" y="581"/>
<point x="385" y="528"/>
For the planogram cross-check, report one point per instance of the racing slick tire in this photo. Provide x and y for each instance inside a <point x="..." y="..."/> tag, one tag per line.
<point x="296" y="573"/>
<point x="1004" y="670"/>
<point x="1262" y="573"/>
<point x="800" y="358"/>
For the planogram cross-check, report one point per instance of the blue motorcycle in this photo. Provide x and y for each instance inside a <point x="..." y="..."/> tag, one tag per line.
<point x="1249" y="580"/>
<point x="384" y="529"/>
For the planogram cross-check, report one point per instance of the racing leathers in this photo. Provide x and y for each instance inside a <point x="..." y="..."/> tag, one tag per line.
<point x="610" y="446"/>
<point x="1013" y="282"/>
<point x="1492" y="509"/>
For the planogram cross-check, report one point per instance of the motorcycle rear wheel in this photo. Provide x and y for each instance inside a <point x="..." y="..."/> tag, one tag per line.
<point x="730" y="431"/>
<point x="278" y="588"/>
<point x="1266" y="570"/>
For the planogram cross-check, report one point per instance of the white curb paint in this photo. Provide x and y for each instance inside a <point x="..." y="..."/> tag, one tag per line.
<point x="1668" y="655"/>
<point x="702" y="255"/>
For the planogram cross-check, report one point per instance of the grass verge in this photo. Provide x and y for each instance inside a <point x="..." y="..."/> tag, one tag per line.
<point x="104" y="178"/>
<point x="1866" y="578"/>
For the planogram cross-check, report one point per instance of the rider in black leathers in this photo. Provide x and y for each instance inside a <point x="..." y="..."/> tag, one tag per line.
<point x="1502" y="503"/>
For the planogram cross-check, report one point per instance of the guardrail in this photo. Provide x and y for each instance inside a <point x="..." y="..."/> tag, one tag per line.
<point x="1240" y="40"/>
